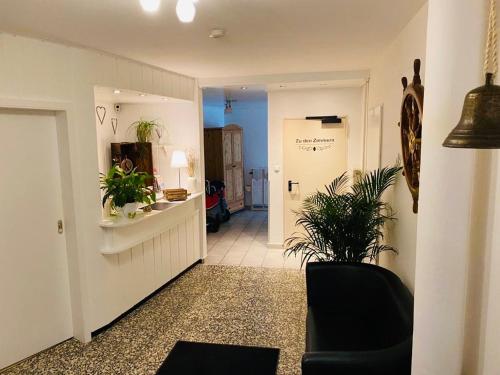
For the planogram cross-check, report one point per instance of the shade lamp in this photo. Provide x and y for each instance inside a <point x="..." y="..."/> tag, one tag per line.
<point x="179" y="160"/>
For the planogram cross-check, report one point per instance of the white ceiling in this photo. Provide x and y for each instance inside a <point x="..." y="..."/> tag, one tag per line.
<point x="263" y="36"/>
<point x="217" y="95"/>
<point x="108" y="95"/>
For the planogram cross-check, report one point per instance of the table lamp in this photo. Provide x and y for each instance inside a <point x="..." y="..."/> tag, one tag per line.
<point x="179" y="160"/>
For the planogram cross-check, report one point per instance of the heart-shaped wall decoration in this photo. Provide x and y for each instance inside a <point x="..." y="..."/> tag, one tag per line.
<point x="114" y="125"/>
<point x="101" y="113"/>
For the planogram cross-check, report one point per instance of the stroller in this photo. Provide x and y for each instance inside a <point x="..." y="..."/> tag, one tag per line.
<point x="216" y="205"/>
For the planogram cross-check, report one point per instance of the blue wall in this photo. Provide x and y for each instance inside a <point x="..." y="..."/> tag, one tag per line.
<point x="252" y="117"/>
<point x="213" y="116"/>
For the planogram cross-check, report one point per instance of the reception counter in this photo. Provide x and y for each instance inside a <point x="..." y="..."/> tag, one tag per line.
<point x="143" y="254"/>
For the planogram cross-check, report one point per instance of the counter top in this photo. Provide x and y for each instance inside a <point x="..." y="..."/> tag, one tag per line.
<point x="120" y="222"/>
<point x="121" y="234"/>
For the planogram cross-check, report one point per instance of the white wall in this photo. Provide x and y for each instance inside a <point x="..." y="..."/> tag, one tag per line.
<point x="386" y="89"/>
<point x="457" y="316"/>
<point x="39" y="74"/>
<point x="488" y="349"/>
<point x="181" y="132"/>
<point x="297" y="104"/>
<point x="451" y="255"/>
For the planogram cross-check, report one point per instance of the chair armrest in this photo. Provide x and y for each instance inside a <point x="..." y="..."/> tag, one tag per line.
<point x="390" y="361"/>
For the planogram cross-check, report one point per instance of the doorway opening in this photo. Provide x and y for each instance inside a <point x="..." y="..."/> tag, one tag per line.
<point x="236" y="154"/>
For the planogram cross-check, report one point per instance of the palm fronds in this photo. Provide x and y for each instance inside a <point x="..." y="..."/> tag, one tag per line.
<point x="345" y="226"/>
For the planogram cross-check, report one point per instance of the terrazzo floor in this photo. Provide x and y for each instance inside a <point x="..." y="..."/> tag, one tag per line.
<point x="211" y="303"/>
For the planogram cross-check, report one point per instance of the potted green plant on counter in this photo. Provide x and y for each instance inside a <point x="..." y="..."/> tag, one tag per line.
<point x="345" y="225"/>
<point x="126" y="190"/>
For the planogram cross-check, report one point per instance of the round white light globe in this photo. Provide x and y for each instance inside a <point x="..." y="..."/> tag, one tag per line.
<point x="185" y="10"/>
<point x="150" y="5"/>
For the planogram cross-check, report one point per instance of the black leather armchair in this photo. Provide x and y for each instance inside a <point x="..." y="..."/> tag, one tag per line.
<point x="359" y="321"/>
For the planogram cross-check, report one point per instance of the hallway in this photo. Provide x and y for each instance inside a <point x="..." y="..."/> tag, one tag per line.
<point x="226" y="305"/>
<point x="243" y="242"/>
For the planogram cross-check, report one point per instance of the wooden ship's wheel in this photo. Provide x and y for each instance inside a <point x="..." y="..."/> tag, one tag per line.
<point x="411" y="131"/>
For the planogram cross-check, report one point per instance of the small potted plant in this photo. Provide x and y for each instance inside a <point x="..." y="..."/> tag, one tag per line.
<point x="126" y="190"/>
<point x="144" y="130"/>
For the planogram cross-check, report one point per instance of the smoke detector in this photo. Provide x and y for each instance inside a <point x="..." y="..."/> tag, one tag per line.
<point x="217" y="33"/>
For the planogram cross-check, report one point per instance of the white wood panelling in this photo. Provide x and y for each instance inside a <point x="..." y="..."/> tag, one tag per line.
<point x="149" y="265"/>
<point x="35" y="68"/>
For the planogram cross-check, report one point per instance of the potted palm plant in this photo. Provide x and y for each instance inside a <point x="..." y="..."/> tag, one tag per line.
<point x="345" y="225"/>
<point x="126" y="190"/>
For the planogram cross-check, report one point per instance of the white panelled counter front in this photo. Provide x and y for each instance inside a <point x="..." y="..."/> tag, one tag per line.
<point x="147" y="252"/>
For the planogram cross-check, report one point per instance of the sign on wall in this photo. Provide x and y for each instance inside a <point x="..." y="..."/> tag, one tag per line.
<point x="314" y="144"/>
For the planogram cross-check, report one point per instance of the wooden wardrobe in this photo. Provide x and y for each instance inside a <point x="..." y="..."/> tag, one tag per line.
<point x="224" y="162"/>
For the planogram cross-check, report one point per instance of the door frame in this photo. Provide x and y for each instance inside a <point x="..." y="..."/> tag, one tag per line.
<point x="63" y="112"/>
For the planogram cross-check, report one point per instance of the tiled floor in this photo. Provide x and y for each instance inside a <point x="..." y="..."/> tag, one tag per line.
<point x="215" y="304"/>
<point x="243" y="242"/>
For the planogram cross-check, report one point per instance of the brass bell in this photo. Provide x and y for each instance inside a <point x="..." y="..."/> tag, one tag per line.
<point x="479" y="126"/>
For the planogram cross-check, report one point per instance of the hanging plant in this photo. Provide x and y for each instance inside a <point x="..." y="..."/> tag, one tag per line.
<point x="144" y="130"/>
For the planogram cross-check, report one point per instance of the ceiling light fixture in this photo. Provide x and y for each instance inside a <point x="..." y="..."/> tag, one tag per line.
<point x="244" y="87"/>
<point x="150" y="5"/>
<point x="185" y="10"/>
<point x="228" y="108"/>
<point x="142" y="94"/>
<point x="116" y="91"/>
<point x="217" y="33"/>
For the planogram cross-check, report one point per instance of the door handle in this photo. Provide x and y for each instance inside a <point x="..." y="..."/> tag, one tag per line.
<point x="290" y="185"/>
<point x="60" y="227"/>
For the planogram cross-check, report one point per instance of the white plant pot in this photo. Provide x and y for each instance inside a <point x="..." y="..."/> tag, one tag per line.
<point x="129" y="210"/>
<point x="191" y="184"/>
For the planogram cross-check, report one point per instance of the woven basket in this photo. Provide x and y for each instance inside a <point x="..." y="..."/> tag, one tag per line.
<point x="175" y="194"/>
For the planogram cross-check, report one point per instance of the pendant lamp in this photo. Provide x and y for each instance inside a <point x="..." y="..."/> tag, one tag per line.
<point x="479" y="126"/>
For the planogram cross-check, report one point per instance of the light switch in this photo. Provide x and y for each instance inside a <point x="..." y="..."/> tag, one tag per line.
<point x="277" y="168"/>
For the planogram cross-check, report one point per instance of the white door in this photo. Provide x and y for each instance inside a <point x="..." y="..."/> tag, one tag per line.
<point x="314" y="154"/>
<point x="35" y="310"/>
